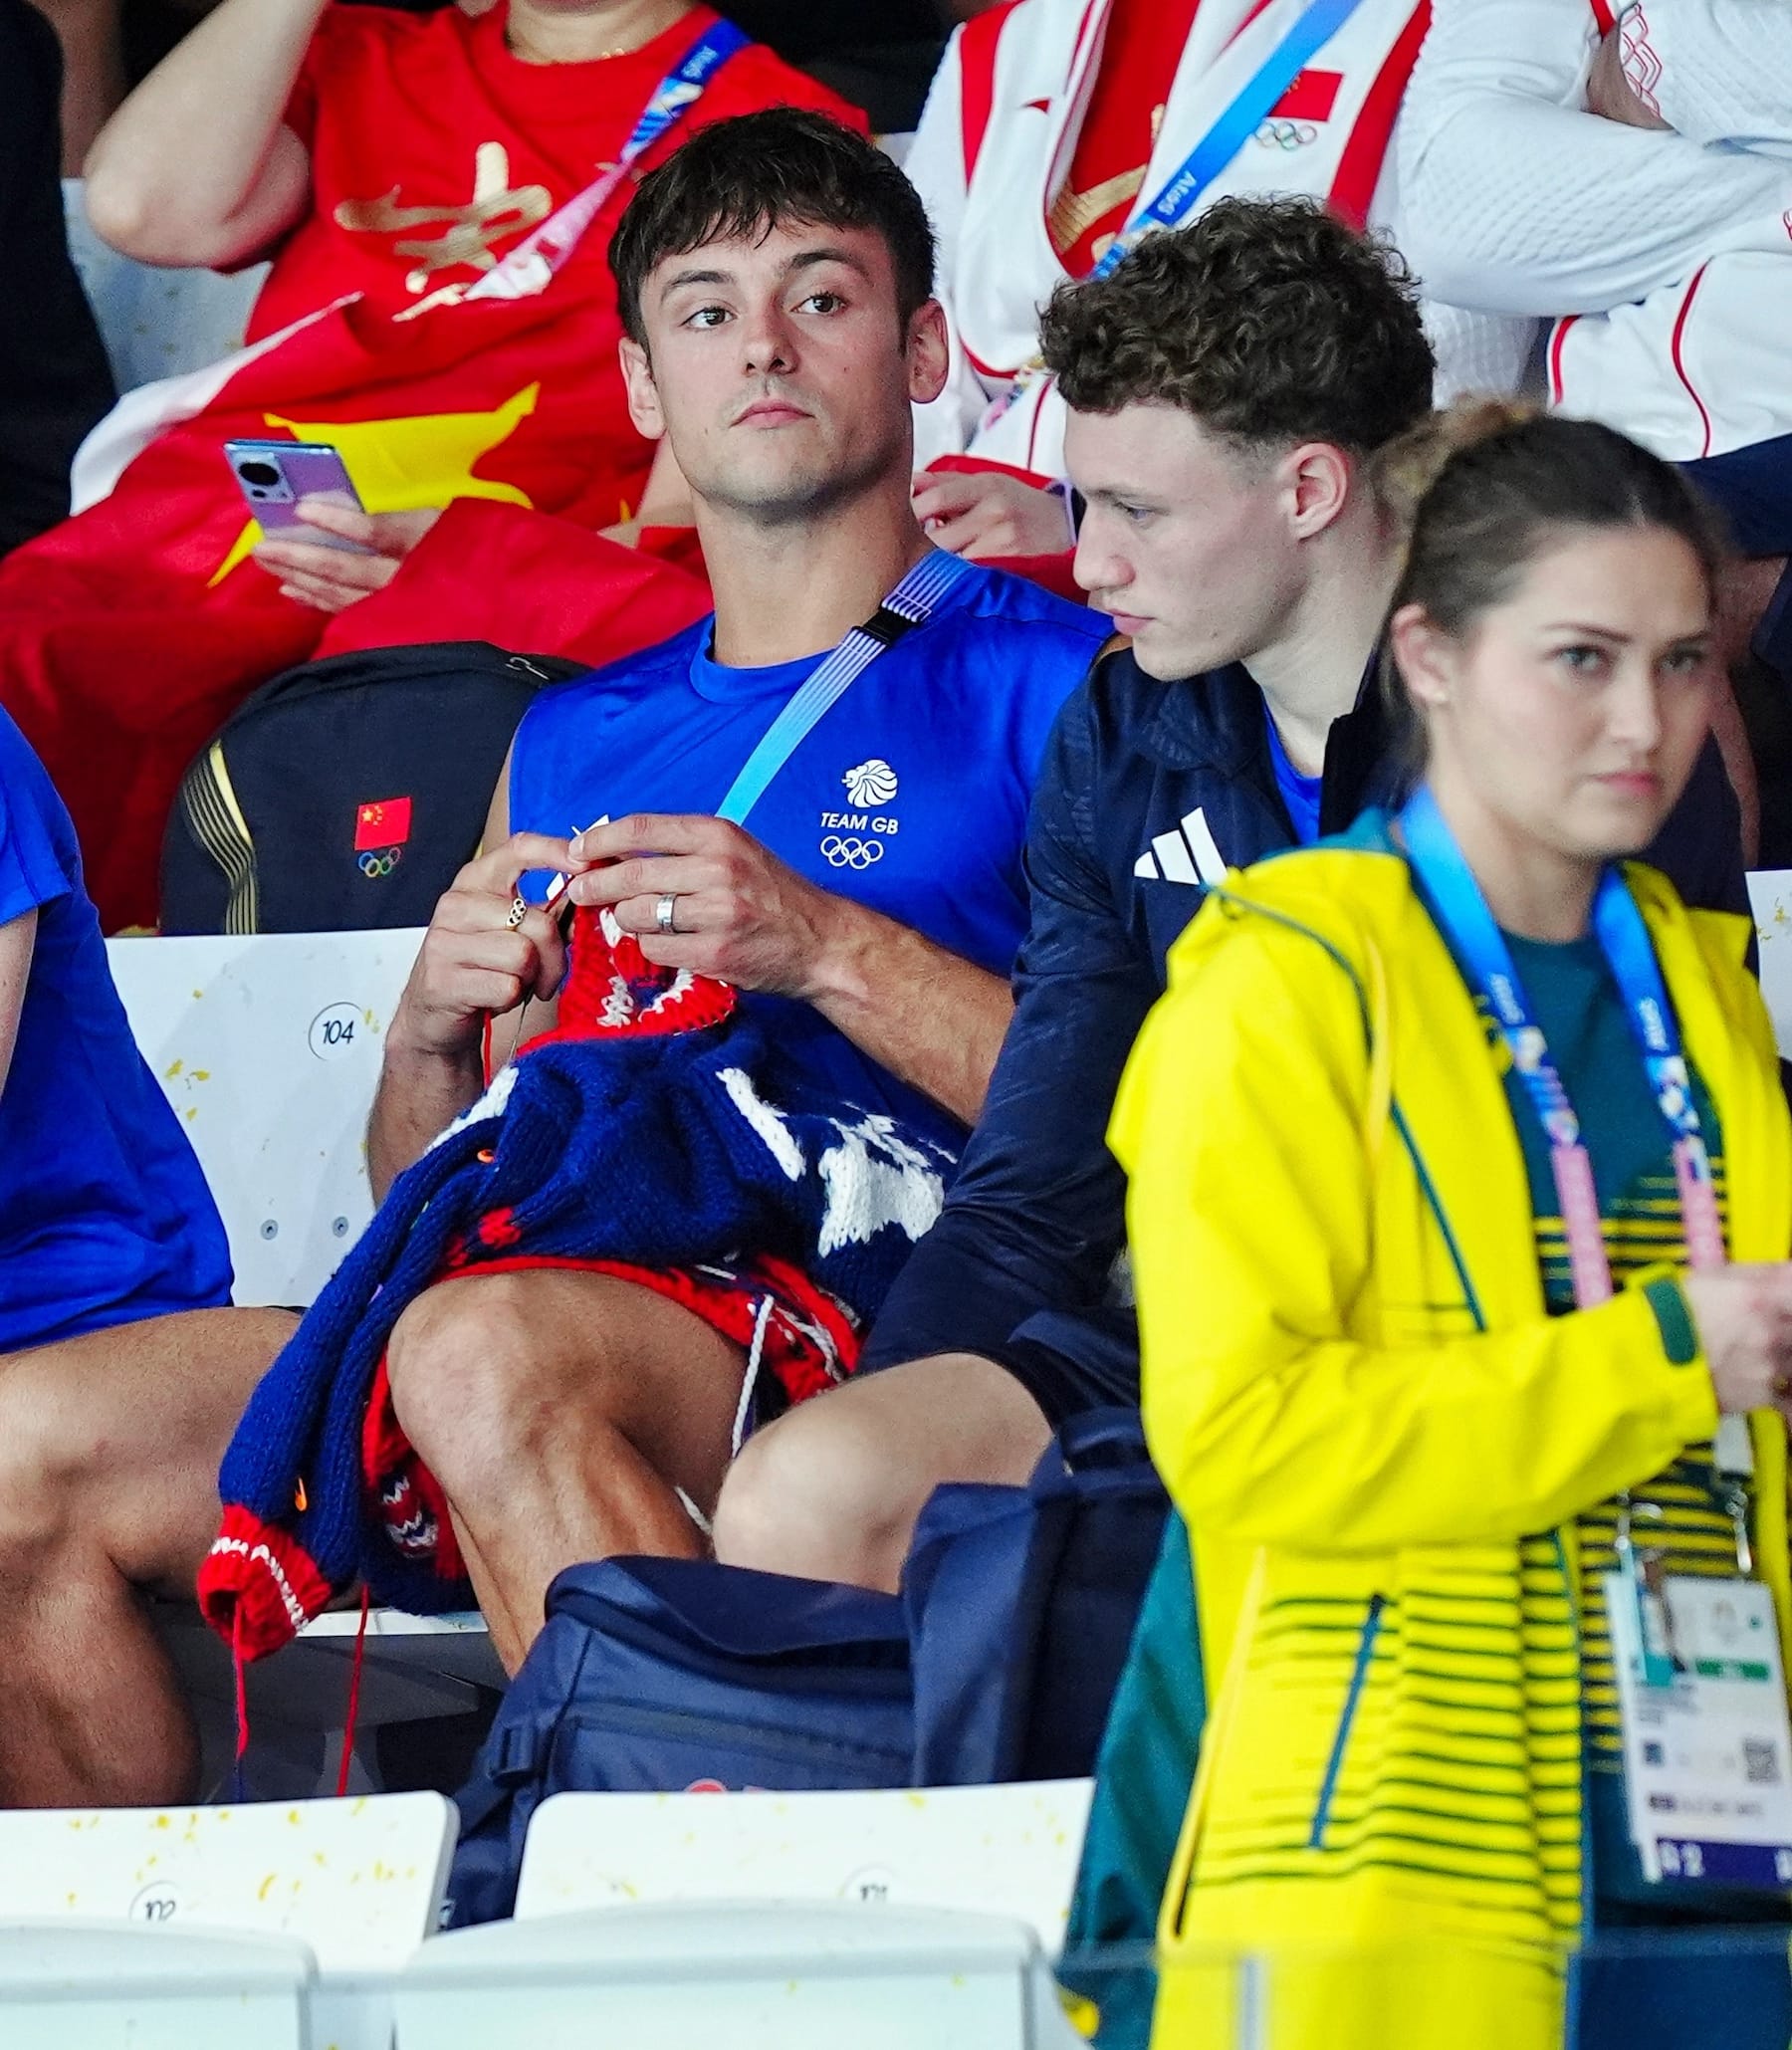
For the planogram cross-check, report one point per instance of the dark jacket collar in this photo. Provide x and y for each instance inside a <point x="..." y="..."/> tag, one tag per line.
<point x="1216" y="722"/>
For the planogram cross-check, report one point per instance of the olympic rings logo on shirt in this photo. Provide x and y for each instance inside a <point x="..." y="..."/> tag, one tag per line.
<point x="850" y="853"/>
<point x="382" y="864"/>
<point x="1286" y="134"/>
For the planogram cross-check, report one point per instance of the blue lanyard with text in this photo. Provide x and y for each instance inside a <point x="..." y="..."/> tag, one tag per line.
<point x="912" y="604"/>
<point x="1624" y="940"/>
<point x="1235" y="125"/>
<point x="530" y="266"/>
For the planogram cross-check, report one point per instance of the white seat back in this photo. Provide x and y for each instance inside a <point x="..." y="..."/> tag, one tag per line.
<point x="744" y="1976"/>
<point x="995" y="1850"/>
<point x="360" y="1882"/>
<point x="269" y="1050"/>
<point x="1770" y="895"/>
<point x="119" y="1987"/>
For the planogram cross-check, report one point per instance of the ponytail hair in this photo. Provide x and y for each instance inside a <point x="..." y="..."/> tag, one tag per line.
<point x="1484" y="487"/>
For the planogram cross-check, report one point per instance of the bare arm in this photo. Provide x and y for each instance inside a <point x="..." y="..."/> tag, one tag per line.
<point x="473" y="966"/>
<point x="197" y="167"/>
<point x="18" y="937"/>
<point x="933" y="1019"/>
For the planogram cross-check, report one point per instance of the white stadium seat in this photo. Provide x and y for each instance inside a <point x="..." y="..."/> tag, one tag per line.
<point x="744" y="1976"/>
<point x="357" y="1882"/>
<point x="119" y="1986"/>
<point x="1004" y="1850"/>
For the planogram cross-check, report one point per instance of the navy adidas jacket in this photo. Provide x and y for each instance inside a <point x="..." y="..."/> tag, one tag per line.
<point x="1036" y="1214"/>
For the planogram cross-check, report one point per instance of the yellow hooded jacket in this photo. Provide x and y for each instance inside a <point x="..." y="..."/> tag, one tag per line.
<point x="1379" y="1442"/>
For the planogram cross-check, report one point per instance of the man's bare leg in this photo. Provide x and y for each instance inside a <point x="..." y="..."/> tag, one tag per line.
<point x="831" y="1491"/>
<point x="109" y="1484"/>
<point x="560" y="1411"/>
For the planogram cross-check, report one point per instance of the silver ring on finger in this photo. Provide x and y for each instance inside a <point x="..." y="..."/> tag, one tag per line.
<point x="517" y="912"/>
<point x="665" y="913"/>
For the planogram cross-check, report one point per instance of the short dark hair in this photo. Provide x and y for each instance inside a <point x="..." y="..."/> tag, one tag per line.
<point x="759" y="171"/>
<point x="1269" y="320"/>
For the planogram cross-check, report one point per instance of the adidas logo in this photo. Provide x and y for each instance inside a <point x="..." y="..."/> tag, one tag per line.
<point x="1188" y="854"/>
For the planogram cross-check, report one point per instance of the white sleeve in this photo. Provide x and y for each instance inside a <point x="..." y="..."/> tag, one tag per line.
<point x="1715" y="70"/>
<point x="1515" y="200"/>
<point x="935" y="164"/>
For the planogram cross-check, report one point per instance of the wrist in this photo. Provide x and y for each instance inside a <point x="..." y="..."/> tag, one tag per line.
<point x="836" y="977"/>
<point x="410" y="1044"/>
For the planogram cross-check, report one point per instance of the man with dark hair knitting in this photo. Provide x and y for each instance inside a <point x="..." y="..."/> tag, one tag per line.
<point x="675" y="1214"/>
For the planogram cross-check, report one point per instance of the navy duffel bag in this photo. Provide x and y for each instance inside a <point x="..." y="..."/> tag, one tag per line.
<point x="659" y="1676"/>
<point x="997" y="1662"/>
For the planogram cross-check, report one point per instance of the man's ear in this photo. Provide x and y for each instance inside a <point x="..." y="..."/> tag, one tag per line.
<point x="1318" y="478"/>
<point x="643" y="394"/>
<point x="929" y="353"/>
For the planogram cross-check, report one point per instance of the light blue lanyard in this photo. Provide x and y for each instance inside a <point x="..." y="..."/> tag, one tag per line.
<point x="1624" y="940"/>
<point x="680" y="87"/>
<point x="910" y="605"/>
<point x="1236" y="125"/>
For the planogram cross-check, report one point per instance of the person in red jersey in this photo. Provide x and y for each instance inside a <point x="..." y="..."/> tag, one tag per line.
<point x="394" y="164"/>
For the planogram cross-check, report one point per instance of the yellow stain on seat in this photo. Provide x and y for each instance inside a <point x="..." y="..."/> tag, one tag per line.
<point x="402" y="465"/>
<point x="265" y="1887"/>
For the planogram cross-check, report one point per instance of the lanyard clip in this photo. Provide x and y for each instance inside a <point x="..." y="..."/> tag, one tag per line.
<point x="1733" y="1493"/>
<point x="1643" y="1575"/>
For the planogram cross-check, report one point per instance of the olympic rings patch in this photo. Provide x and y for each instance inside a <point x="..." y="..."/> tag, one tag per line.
<point x="1286" y="134"/>
<point x="850" y="853"/>
<point x="382" y="865"/>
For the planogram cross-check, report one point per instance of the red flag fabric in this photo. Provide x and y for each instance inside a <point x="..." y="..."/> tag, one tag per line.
<point x="129" y="633"/>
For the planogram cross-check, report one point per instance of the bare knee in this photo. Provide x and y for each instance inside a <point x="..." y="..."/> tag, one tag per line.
<point x="460" y="1362"/>
<point x="820" y="1494"/>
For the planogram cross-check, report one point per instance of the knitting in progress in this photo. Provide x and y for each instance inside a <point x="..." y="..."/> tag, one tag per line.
<point x="636" y="1133"/>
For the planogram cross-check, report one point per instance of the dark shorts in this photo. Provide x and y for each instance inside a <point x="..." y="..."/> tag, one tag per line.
<point x="1070" y="1362"/>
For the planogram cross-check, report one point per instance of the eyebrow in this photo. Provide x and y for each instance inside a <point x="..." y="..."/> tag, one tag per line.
<point x="806" y="260"/>
<point x="1621" y="639"/>
<point x="1122" y="494"/>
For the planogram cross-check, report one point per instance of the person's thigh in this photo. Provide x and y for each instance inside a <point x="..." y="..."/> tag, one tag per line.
<point x="121" y="1430"/>
<point x="954" y="1417"/>
<point x="832" y="1490"/>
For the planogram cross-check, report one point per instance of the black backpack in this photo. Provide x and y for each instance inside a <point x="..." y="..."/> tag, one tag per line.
<point x="345" y="794"/>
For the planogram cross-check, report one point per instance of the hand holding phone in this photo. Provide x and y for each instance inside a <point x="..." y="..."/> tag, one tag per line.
<point x="274" y="476"/>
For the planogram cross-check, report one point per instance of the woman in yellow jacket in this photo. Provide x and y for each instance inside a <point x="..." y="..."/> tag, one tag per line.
<point x="1430" y="1233"/>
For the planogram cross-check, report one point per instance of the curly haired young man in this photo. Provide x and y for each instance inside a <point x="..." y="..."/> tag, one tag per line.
<point x="1229" y="385"/>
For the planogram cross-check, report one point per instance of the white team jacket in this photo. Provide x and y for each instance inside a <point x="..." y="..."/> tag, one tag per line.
<point x="1670" y="256"/>
<point x="996" y="262"/>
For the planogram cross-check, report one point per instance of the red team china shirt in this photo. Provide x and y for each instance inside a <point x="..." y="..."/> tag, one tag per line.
<point x="434" y="151"/>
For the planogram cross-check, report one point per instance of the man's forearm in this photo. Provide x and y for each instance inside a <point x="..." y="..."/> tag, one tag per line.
<point x="419" y="1096"/>
<point x="195" y="167"/>
<point x="932" y="1017"/>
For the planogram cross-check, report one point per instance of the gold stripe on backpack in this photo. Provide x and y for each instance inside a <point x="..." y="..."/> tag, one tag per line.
<point x="208" y="800"/>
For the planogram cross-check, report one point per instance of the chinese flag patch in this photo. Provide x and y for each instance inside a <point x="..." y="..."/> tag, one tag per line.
<point x="385" y="824"/>
<point x="1311" y="97"/>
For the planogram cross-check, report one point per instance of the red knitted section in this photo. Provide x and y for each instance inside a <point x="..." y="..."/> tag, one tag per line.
<point x="412" y="1504"/>
<point x="258" y="1584"/>
<point x="612" y="988"/>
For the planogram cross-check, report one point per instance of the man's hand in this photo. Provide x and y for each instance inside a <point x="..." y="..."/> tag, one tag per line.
<point x="983" y="513"/>
<point x="332" y="578"/>
<point x="475" y="962"/>
<point x="740" y="913"/>
<point x="1609" y="93"/>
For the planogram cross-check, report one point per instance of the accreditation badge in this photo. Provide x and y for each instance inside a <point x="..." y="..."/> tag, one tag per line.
<point x="1707" y="1748"/>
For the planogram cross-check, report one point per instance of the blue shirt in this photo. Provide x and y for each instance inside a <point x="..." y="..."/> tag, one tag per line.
<point x="1300" y="793"/>
<point x="910" y="794"/>
<point x="105" y="1216"/>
